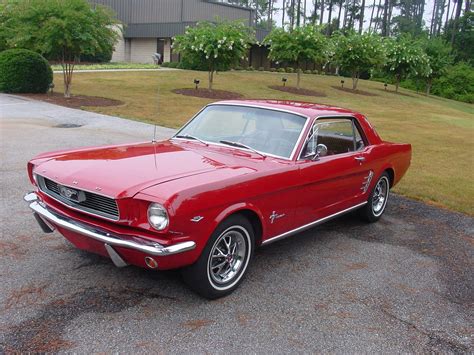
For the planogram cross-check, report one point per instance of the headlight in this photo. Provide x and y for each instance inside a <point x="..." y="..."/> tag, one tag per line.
<point x="157" y="216"/>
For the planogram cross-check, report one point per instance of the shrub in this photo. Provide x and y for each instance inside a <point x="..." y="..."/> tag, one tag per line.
<point x="273" y="70"/>
<point x="165" y="65"/>
<point x="238" y="68"/>
<point x="99" y="57"/>
<point x="261" y="69"/>
<point x="193" y="63"/>
<point x="290" y="70"/>
<point x="281" y="70"/>
<point x="315" y="71"/>
<point x="24" y="71"/>
<point x="250" y="68"/>
<point x="308" y="72"/>
<point x="173" y="64"/>
<point x="456" y="84"/>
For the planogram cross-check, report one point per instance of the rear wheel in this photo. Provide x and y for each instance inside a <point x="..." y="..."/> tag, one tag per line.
<point x="377" y="201"/>
<point x="224" y="261"/>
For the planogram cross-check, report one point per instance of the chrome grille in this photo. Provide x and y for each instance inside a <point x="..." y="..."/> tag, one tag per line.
<point x="94" y="204"/>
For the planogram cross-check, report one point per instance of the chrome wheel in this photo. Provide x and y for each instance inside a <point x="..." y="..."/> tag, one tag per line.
<point x="229" y="256"/>
<point x="380" y="196"/>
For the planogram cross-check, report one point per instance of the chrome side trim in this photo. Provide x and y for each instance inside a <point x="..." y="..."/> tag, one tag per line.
<point x="312" y="224"/>
<point x="101" y="235"/>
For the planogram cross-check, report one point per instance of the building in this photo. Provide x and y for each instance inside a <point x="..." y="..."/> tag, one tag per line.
<point x="150" y="25"/>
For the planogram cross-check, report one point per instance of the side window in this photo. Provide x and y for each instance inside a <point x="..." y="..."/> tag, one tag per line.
<point x="336" y="134"/>
<point x="358" y="139"/>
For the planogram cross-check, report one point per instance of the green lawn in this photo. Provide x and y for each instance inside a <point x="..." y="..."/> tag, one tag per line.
<point x="441" y="131"/>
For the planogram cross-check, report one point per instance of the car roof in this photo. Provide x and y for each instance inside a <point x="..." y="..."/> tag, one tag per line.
<point x="309" y="109"/>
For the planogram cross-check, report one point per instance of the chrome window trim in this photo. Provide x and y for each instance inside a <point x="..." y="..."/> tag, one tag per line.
<point x="311" y="224"/>
<point x="293" y="152"/>
<point x="351" y="117"/>
<point x="86" y="211"/>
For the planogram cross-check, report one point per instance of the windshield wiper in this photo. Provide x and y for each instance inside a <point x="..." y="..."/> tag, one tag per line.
<point x="188" y="136"/>
<point x="241" y="145"/>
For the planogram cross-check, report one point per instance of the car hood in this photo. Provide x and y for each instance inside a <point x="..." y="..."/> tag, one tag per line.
<point x="123" y="171"/>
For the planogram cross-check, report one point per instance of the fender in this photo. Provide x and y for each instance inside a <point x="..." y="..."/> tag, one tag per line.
<point x="242" y="206"/>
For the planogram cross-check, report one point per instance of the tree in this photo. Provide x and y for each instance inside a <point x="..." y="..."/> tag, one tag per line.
<point x="216" y="45"/>
<point x="358" y="53"/>
<point x="463" y="44"/>
<point x="60" y="30"/>
<point x="405" y="57"/>
<point x="439" y="58"/>
<point x="303" y="44"/>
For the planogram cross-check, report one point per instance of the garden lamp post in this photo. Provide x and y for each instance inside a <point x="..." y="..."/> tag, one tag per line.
<point x="284" y="80"/>
<point x="196" y="82"/>
<point x="385" y="86"/>
<point x="342" y="83"/>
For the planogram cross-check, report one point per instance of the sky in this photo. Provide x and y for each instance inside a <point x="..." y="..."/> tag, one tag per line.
<point x="309" y="6"/>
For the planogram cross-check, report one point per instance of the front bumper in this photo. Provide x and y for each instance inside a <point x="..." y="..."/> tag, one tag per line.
<point x="51" y="217"/>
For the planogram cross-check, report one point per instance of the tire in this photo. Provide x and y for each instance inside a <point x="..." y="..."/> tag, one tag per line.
<point x="377" y="201"/>
<point x="224" y="260"/>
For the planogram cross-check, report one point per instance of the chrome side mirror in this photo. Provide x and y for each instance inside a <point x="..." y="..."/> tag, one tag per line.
<point x="321" y="150"/>
<point x="315" y="152"/>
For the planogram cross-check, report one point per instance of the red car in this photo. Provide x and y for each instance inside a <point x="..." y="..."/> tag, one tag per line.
<point x="240" y="174"/>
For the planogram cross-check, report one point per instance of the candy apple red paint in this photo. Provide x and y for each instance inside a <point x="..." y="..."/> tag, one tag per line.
<point x="238" y="175"/>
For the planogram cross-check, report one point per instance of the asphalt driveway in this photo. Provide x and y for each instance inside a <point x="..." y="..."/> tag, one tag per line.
<point x="404" y="284"/>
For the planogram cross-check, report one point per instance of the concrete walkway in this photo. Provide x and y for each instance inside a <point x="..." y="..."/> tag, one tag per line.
<point x="114" y="70"/>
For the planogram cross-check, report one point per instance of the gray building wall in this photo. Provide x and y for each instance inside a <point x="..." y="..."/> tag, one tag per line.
<point x="145" y="21"/>
<point x="168" y="11"/>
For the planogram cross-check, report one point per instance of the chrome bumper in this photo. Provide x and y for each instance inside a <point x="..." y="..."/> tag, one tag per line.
<point x="149" y="248"/>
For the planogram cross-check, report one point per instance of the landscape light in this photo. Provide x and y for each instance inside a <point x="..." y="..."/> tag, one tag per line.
<point x="51" y="88"/>
<point x="385" y="85"/>
<point x="284" y="80"/>
<point x="196" y="82"/>
<point x="342" y="84"/>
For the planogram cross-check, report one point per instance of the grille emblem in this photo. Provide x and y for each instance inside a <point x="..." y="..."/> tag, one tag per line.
<point x="71" y="194"/>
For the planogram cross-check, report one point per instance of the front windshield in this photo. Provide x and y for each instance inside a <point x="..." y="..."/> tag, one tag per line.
<point x="267" y="131"/>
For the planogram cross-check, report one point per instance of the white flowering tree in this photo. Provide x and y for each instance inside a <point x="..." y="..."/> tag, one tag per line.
<point x="405" y="57"/>
<point x="299" y="45"/>
<point x="356" y="53"/>
<point x="218" y="45"/>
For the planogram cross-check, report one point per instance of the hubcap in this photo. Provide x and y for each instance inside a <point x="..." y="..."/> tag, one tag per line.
<point x="227" y="256"/>
<point x="379" y="199"/>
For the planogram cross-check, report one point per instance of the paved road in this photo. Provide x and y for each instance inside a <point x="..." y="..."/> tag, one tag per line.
<point x="404" y="284"/>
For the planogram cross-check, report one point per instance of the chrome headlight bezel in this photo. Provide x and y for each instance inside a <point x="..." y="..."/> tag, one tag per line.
<point x="158" y="217"/>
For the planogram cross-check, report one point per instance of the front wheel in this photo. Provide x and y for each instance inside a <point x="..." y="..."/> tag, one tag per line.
<point x="224" y="261"/>
<point x="377" y="201"/>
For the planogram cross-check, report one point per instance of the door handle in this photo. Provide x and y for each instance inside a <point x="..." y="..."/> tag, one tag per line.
<point x="360" y="159"/>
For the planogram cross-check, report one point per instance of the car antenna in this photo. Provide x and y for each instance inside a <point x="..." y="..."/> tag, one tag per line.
<point x="154" y="135"/>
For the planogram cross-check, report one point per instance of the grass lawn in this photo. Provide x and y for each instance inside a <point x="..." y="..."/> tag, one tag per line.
<point x="441" y="131"/>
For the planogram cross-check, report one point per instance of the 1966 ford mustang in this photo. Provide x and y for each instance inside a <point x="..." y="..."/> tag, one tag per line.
<point x="240" y="174"/>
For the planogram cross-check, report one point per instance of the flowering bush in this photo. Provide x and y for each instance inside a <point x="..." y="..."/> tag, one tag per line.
<point x="302" y="44"/>
<point x="215" y="45"/>
<point x="356" y="53"/>
<point x="405" y="57"/>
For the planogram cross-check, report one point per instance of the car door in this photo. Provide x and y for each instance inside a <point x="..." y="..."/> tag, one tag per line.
<point x="334" y="178"/>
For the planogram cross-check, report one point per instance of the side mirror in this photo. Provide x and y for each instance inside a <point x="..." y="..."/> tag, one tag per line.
<point x="321" y="150"/>
<point x="314" y="153"/>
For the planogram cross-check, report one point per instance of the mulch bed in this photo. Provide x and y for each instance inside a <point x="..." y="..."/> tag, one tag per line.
<point x="209" y="94"/>
<point x="293" y="90"/>
<point x="356" y="92"/>
<point x="75" y="101"/>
